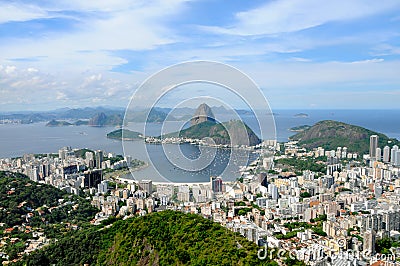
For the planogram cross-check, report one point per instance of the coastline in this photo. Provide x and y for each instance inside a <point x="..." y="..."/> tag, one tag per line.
<point x="122" y="172"/>
<point x="131" y="181"/>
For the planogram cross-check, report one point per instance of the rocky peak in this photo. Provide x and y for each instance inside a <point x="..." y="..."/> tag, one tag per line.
<point x="202" y="114"/>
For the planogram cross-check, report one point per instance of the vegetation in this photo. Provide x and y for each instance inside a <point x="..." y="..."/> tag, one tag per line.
<point x="124" y="134"/>
<point x="332" y="134"/>
<point x="59" y="123"/>
<point x="301" y="115"/>
<point x="383" y="245"/>
<point x="299" y="128"/>
<point x="27" y="206"/>
<point x="56" y="123"/>
<point x="305" y="195"/>
<point x="115" y="159"/>
<point x="296" y="227"/>
<point x="163" y="238"/>
<point x="20" y="196"/>
<point x="82" y="153"/>
<point x="301" y="164"/>
<point x="320" y="218"/>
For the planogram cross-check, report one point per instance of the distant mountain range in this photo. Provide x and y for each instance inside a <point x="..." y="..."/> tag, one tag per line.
<point x="60" y="114"/>
<point x="98" y="120"/>
<point x="156" y="114"/>
<point x="331" y="134"/>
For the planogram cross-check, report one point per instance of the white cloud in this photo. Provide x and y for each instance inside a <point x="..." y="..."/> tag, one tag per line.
<point x="367" y="61"/>
<point x="61" y="95"/>
<point x="32" y="70"/>
<point x="99" y="28"/>
<point x="386" y="49"/>
<point x="16" y="12"/>
<point x="295" y="15"/>
<point x="9" y="69"/>
<point x="40" y="88"/>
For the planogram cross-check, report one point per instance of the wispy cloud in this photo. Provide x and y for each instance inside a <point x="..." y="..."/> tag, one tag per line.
<point x="13" y="11"/>
<point x="102" y="27"/>
<point x="96" y="52"/>
<point x="295" y="15"/>
<point x="31" y="86"/>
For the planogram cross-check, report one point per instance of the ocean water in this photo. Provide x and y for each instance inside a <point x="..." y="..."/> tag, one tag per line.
<point x="17" y="140"/>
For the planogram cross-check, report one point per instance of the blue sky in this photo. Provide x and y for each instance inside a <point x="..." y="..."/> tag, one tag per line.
<point x="302" y="53"/>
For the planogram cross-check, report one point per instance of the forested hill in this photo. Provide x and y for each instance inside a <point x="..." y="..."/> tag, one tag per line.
<point x="331" y="134"/>
<point x="163" y="238"/>
<point x="23" y="201"/>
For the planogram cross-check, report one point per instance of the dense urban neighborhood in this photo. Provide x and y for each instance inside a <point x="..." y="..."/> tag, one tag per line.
<point x="317" y="205"/>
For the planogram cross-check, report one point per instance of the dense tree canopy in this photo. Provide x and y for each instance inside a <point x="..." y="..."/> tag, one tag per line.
<point x="163" y="238"/>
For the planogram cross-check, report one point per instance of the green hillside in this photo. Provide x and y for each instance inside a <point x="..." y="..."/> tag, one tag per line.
<point x="27" y="207"/>
<point x="20" y="196"/>
<point x="234" y="131"/>
<point x="331" y="134"/>
<point x="124" y="134"/>
<point x="163" y="238"/>
<point x="57" y="123"/>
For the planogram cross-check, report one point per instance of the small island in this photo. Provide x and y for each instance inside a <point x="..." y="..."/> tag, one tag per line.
<point x="301" y="115"/>
<point x="124" y="134"/>
<point x="299" y="128"/>
<point x="60" y="123"/>
<point x="81" y="123"/>
<point x="56" y="123"/>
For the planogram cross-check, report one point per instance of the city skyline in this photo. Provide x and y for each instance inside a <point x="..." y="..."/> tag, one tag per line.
<point x="303" y="54"/>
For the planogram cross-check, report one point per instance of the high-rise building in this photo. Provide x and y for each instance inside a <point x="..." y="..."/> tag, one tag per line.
<point x="344" y="152"/>
<point x="273" y="191"/>
<point x="262" y="179"/>
<point x="64" y="152"/>
<point x="369" y="242"/>
<point x="146" y="186"/>
<point x="294" y="183"/>
<point x="99" y="158"/>
<point x="393" y="153"/>
<point x="378" y="154"/>
<point x="183" y="193"/>
<point x="91" y="178"/>
<point x="395" y="148"/>
<point x="89" y="159"/>
<point x="216" y="184"/>
<point x="102" y="187"/>
<point x="373" y="144"/>
<point x="397" y="158"/>
<point x="386" y="154"/>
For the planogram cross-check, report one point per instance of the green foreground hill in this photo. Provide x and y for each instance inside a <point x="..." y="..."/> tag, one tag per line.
<point x="331" y="134"/>
<point x="233" y="132"/>
<point x="20" y="196"/>
<point x="27" y="207"/>
<point x="163" y="238"/>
